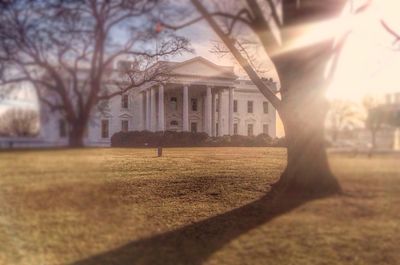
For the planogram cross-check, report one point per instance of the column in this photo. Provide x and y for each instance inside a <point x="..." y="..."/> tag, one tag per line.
<point x="213" y="130"/>
<point x="143" y="111"/>
<point x="148" y="124"/>
<point x="207" y="118"/>
<point x="153" y="113"/>
<point x="161" y="122"/>
<point x="220" y="113"/>
<point x="230" y="118"/>
<point x="185" y="109"/>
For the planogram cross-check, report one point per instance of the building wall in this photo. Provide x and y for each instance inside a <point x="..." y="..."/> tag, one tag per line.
<point x="387" y="138"/>
<point x="244" y="91"/>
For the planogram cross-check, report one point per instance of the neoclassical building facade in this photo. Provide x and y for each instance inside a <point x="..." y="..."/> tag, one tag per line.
<point x="199" y="96"/>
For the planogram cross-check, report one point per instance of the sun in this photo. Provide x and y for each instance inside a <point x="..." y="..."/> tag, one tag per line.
<point x="370" y="59"/>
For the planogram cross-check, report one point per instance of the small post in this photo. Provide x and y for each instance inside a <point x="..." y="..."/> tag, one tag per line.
<point x="159" y="151"/>
<point x="160" y="145"/>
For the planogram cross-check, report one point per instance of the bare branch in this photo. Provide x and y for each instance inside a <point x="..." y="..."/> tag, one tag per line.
<point x="230" y="43"/>
<point x="391" y="31"/>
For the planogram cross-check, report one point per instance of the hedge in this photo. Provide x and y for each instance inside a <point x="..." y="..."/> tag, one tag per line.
<point x="189" y="139"/>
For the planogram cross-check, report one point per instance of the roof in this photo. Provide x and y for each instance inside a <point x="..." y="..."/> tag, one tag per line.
<point x="222" y="71"/>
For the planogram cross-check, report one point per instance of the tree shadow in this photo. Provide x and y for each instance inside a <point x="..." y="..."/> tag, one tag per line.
<point x="194" y="243"/>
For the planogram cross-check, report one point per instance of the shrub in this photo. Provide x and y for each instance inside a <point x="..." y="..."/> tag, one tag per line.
<point x="279" y="142"/>
<point x="188" y="139"/>
<point x="154" y="139"/>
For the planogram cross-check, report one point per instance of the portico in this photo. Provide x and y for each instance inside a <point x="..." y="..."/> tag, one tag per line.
<point x="187" y="107"/>
<point x="193" y="99"/>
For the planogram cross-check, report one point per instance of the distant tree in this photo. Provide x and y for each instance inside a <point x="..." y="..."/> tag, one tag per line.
<point x="19" y="122"/>
<point x="376" y="118"/>
<point x="66" y="50"/>
<point x="342" y="115"/>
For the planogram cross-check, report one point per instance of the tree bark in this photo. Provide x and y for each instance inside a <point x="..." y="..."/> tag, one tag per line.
<point x="76" y="134"/>
<point x="307" y="172"/>
<point x="303" y="112"/>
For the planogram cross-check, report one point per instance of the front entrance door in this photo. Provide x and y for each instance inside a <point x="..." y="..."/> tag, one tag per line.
<point x="193" y="127"/>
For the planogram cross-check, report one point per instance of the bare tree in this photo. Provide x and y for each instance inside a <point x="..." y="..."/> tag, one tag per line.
<point x="278" y="26"/>
<point x="342" y="114"/>
<point x="19" y="122"/>
<point x="66" y="49"/>
<point x="301" y="70"/>
<point x="375" y="119"/>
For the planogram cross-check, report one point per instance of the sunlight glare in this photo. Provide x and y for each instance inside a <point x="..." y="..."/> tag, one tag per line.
<point x="368" y="63"/>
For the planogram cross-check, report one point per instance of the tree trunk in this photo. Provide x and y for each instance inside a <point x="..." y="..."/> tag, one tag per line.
<point x="307" y="172"/>
<point x="76" y="135"/>
<point x="373" y="139"/>
<point x="303" y="112"/>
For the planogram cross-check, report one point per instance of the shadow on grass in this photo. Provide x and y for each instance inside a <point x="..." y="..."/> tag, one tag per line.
<point x="194" y="243"/>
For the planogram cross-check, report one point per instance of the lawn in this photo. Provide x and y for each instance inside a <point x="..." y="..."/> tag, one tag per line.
<point x="126" y="206"/>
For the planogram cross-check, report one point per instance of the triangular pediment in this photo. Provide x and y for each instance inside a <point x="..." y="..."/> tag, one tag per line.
<point x="125" y="115"/>
<point x="199" y="66"/>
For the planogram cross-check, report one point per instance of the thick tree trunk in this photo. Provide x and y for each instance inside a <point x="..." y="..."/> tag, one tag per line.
<point x="307" y="172"/>
<point x="303" y="113"/>
<point x="76" y="136"/>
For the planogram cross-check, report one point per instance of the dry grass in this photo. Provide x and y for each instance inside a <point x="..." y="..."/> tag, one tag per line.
<point x="61" y="206"/>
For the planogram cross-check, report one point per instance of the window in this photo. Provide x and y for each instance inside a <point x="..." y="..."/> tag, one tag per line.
<point x="249" y="106"/>
<point x="174" y="123"/>
<point x="216" y="104"/>
<point x="62" y="127"/>
<point x="104" y="128"/>
<point x="194" y="104"/>
<point x="265" y="129"/>
<point x="265" y="106"/>
<point x="174" y="103"/>
<point x="235" y="129"/>
<point x="193" y="127"/>
<point x="216" y="129"/>
<point x="104" y="104"/>
<point x="250" y="128"/>
<point x="235" y="106"/>
<point x="124" y="101"/>
<point x="124" y="125"/>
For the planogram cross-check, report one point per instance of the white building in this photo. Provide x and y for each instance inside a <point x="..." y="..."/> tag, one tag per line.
<point x="387" y="136"/>
<point x="199" y="96"/>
